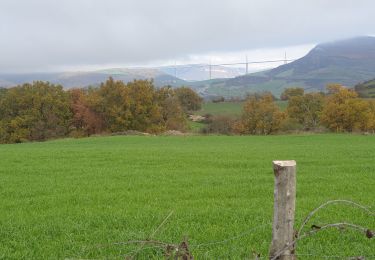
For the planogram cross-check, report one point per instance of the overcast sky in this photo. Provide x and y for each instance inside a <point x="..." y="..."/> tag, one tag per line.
<point x="51" y="35"/>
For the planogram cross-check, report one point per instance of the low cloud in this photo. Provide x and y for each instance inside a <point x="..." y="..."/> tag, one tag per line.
<point x="42" y="35"/>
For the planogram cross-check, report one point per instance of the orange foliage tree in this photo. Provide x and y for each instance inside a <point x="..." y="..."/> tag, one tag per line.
<point x="260" y="116"/>
<point x="344" y="112"/>
<point x="85" y="120"/>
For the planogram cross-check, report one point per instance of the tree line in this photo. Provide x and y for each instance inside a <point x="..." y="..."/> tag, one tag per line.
<point x="338" y="110"/>
<point x="41" y="110"/>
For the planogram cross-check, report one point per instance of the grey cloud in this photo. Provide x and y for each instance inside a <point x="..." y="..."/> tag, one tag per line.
<point x="47" y="34"/>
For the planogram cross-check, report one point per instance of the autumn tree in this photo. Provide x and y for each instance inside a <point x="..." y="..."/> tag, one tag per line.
<point x="291" y="92"/>
<point x="344" y="112"/>
<point x="172" y="112"/>
<point x="189" y="99"/>
<point x="41" y="110"/>
<point x="137" y="105"/>
<point x="333" y="88"/>
<point x="85" y="120"/>
<point x="306" y="109"/>
<point x="36" y="111"/>
<point x="260" y="116"/>
<point x="145" y="112"/>
<point x="111" y="102"/>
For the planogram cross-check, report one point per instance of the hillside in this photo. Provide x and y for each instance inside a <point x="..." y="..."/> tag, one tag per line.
<point x="347" y="62"/>
<point x="83" y="79"/>
<point x="366" y="89"/>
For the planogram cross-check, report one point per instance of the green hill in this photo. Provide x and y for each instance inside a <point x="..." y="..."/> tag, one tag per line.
<point x="347" y="62"/>
<point x="366" y="89"/>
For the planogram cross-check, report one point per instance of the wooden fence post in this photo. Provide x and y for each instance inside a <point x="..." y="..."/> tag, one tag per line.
<point x="284" y="209"/>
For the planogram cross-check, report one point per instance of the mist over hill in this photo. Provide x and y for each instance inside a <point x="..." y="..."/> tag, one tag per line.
<point x="92" y="78"/>
<point x="201" y="72"/>
<point x="347" y="62"/>
<point x="162" y="76"/>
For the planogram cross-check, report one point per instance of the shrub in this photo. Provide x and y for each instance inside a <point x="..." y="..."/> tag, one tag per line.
<point x="260" y="116"/>
<point x="219" y="125"/>
<point x="189" y="99"/>
<point x="291" y="92"/>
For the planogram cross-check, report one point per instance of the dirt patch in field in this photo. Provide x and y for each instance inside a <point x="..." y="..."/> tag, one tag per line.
<point x="196" y="118"/>
<point x="174" y="133"/>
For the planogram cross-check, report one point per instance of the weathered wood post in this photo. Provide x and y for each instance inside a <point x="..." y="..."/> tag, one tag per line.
<point x="284" y="208"/>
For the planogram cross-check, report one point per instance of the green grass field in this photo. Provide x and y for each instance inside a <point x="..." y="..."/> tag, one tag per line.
<point x="195" y="127"/>
<point x="230" y="108"/>
<point x="222" y="108"/>
<point x="74" y="199"/>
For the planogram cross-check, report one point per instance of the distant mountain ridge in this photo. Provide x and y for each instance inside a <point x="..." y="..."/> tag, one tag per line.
<point x="92" y="78"/>
<point x="162" y="76"/>
<point x="347" y="62"/>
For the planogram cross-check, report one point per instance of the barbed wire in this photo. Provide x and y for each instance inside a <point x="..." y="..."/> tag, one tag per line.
<point x="307" y="234"/>
<point x="172" y="247"/>
<point x="163" y="245"/>
<point x="352" y="203"/>
<point x="151" y="235"/>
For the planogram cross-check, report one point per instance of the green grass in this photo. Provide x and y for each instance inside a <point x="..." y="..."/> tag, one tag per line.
<point x="366" y="89"/>
<point x="229" y="108"/>
<point x="222" y="108"/>
<point x="195" y="127"/>
<point x="77" y="198"/>
<point x="275" y="85"/>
